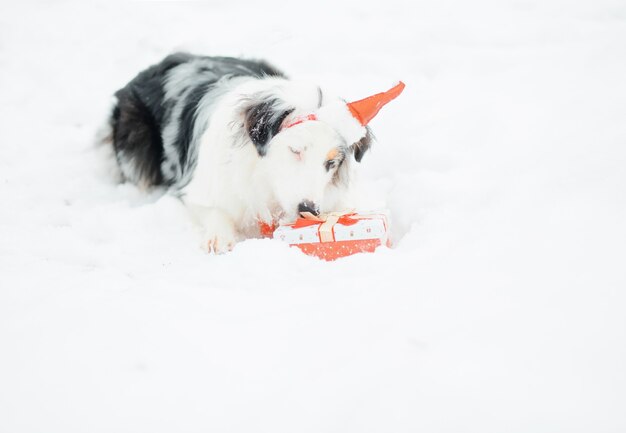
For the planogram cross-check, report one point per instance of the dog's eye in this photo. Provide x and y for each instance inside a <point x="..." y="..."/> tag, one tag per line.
<point x="330" y="164"/>
<point x="297" y="153"/>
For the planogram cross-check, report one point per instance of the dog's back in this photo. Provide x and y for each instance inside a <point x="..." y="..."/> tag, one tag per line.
<point x="153" y="118"/>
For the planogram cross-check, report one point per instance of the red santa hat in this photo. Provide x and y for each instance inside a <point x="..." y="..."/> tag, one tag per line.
<point x="350" y="119"/>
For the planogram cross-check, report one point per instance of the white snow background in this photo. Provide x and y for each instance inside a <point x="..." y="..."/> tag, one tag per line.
<point x="501" y="308"/>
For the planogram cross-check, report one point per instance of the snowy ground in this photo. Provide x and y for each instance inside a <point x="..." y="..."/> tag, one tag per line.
<point x="501" y="308"/>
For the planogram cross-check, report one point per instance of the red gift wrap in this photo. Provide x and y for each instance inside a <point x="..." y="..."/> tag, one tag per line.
<point x="336" y="234"/>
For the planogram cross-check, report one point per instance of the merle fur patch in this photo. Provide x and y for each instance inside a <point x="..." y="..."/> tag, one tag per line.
<point x="155" y="131"/>
<point x="262" y="121"/>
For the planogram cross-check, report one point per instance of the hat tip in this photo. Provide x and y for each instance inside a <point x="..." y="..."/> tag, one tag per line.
<point x="366" y="109"/>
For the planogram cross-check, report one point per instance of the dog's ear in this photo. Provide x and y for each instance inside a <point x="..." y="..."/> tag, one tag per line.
<point x="362" y="146"/>
<point x="262" y="121"/>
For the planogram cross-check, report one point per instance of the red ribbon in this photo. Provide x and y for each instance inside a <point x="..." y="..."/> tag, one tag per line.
<point x="298" y="120"/>
<point x="345" y="220"/>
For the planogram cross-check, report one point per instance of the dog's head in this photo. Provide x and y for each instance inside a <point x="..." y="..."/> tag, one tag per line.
<point x="308" y="152"/>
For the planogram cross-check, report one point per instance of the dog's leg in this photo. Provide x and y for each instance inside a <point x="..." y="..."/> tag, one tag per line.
<point x="218" y="229"/>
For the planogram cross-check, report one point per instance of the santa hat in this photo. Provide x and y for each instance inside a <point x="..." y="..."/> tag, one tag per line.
<point x="350" y="119"/>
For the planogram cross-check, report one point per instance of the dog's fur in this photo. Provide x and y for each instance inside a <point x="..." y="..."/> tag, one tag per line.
<point x="209" y="129"/>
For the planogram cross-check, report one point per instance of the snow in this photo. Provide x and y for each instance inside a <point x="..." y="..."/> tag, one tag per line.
<point x="500" y="308"/>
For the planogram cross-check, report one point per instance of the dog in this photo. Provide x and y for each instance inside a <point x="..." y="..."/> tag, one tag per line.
<point x="238" y="142"/>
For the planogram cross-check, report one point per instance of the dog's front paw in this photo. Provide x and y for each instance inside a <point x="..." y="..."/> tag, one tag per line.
<point x="217" y="227"/>
<point x="219" y="243"/>
<point x="219" y="235"/>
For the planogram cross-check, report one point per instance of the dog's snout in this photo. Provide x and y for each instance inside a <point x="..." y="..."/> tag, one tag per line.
<point x="308" y="206"/>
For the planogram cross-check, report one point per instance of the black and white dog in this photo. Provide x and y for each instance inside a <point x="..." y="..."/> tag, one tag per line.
<point x="239" y="142"/>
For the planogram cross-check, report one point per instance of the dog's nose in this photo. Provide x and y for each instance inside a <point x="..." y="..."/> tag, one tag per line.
<point x="308" y="206"/>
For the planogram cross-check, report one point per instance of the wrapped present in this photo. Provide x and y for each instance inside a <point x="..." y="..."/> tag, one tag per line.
<point x="336" y="234"/>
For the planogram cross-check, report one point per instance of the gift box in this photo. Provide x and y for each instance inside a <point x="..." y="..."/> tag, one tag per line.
<point x="336" y="234"/>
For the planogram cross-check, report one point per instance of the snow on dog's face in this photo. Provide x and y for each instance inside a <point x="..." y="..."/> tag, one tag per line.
<point x="308" y="165"/>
